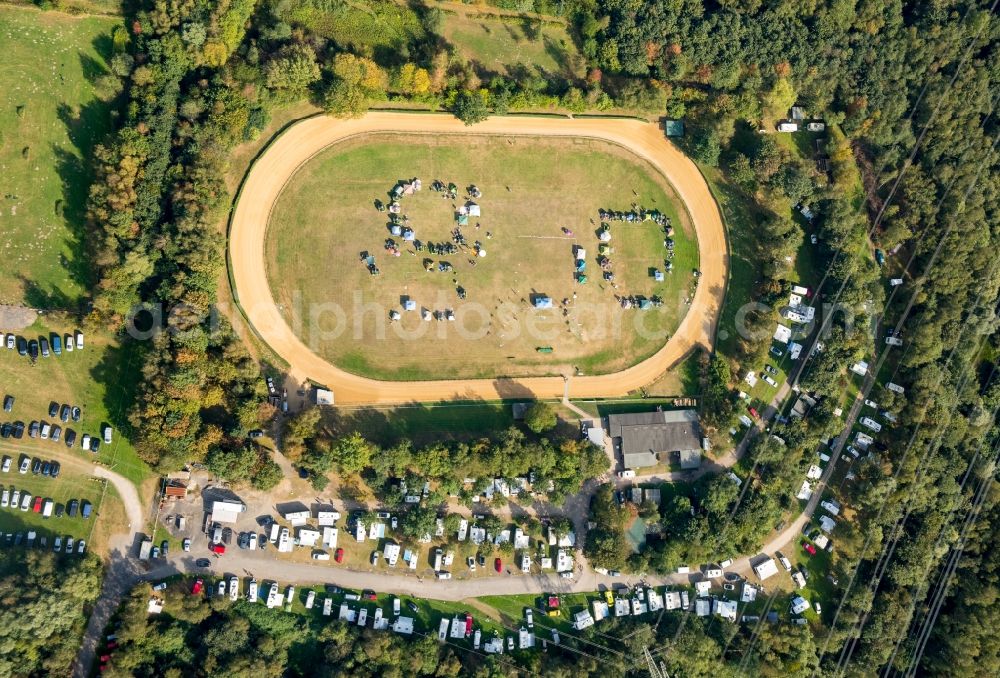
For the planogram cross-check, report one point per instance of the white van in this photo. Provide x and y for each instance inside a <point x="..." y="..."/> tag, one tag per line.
<point x="870" y="423"/>
<point x="893" y="341"/>
<point x="320" y="555"/>
<point x="443" y="575"/>
<point x="627" y="473"/>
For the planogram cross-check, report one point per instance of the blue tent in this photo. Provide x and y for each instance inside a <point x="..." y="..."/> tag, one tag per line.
<point x="581" y="265"/>
<point x="658" y="275"/>
<point x="543" y="302"/>
<point x="645" y="304"/>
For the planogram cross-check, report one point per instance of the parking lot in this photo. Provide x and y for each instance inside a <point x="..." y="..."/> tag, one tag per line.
<point x="67" y="487"/>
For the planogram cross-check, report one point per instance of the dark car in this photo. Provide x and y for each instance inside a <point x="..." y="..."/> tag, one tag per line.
<point x="8" y="403"/>
<point x="44" y="344"/>
<point x="64" y="413"/>
<point x="60" y="510"/>
<point x="5" y="430"/>
<point x="18" y="431"/>
<point x="163" y="547"/>
<point x="777" y="352"/>
<point x="203" y="562"/>
<point x="481" y="559"/>
<point x="85" y="509"/>
<point x="71" y="508"/>
<point x="33" y="430"/>
<point x="36" y="466"/>
<point x="70" y="438"/>
<point x="368" y="594"/>
<point x="53" y="409"/>
<point x="413" y="606"/>
<point x="770" y="369"/>
<point x="54" y="470"/>
<point x="256" y="433"/>
<point x="22" y="346"/>
<point x="75" y="413"/>
<point x="56" y="434"/>
<point x="95" y="444"/>
<point x="46" y="468"/>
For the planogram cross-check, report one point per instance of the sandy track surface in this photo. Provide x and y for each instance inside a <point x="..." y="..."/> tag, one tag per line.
<point x="303" y="140"/>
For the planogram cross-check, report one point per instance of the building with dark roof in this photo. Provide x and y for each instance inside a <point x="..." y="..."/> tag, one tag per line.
<point x="649" y="438"/>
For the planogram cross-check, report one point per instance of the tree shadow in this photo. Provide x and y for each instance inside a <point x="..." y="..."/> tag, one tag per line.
<point x="117" y="370"/>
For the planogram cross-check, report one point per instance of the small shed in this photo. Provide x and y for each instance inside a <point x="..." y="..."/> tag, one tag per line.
<point x="472" y="209"/>
<point x="543" y="302"/>
<point x="657" y="275"/>
<point x="409" y="305"/>
<point x="673" y="128"/>
<point x="604" y="235"/>
<point x="788" y="126"/>
<point x="782" y="334"/>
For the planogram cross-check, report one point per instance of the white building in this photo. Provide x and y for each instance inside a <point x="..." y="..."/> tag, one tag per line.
<point x="726" y="609"/>
<point x="463" y="529"/>
<point x="227" y="511"/>
<point x="330" y="537"/>
<point x="799" y="605"/>
<point x="348" y="614"/>
<point x="672" y="600"/>
<point x="600" y="608"/>
<point x="702" y="587"/>
<point x="308" y="537"/>
<point x="297" y="518"/>
<point x="582" y="620"/>
<point x="403" y="625"/>
<point x="782" y="334"/>
<point x="327" y="518"/>
<point x="391" y="552"/>
<point x="765" y="569"/>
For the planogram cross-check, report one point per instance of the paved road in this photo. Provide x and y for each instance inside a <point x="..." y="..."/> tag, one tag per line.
<point x="122" y="573"/>
<point x="303" y="140"/>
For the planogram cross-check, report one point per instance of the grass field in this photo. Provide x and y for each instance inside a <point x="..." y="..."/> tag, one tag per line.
<point x="510" y="46"/>
<point x="50" y="120"/>
<point x="532" y="188"/>
<point x="99" y="379"/>
<point x="423" y="423"/>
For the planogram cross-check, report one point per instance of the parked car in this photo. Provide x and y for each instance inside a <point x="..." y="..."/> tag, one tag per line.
<point x="768" y="380"/>
<point x="497" y="564"/>
<point x="46" y="468"/>
<point x="25" y="464"/>
<point x="79" y="339"/>
<point x="53" y="409"/>
<point x="70" y="437"/>
<point x="217" y="548"/>
<point x="6" y="464"/>
<point x="64" y="412"/>
<point x="69" y="343"/>
<point x="203" y="562"/>
<point x="33" y="429"/>
<point x="22" y="346"/>
<point x="186" y="544"/>
<point x="810" y="549"/>
<point x="85" y="442"/>
<point x="8" y="403"/>
<point x="164" y="547"/>
<point x="339" y="555"/>
<point x="37" y="506"/>
<point x="56" y="433"/>
<point x="753" y="412"/>
<point x="85" y="509"/>
<point x="75" y="413"/>
<point x="95" y="444"/>
<point x="56" y="343"/>
<point x="471" y="563"/>
<point x="36" y="466"/>
<point x="44" y="344"/>
<point x="777" y="352"/>
<point x="107" y="434"/>
<point x="69" y="544"/>
<point x="18" y="431"/>
<point x="10" y="341"/>
<point x="770" y="369"/>
<point x="413" y="606"/>
<point x="72" y="507"/>
<point x="46" y="430"/>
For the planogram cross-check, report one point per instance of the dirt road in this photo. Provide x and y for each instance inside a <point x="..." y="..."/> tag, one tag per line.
<point x="303" y="140"/>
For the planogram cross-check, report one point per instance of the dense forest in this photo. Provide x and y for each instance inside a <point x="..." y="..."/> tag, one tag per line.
<point x="44" y="603"/>
<point x="909" y="87"/>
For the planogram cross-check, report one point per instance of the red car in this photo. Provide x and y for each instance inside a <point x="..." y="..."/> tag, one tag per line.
<point x="338" y="555"/>
<point x="37" y="508"/>
<point x="368" y="594"/>
<point x="217" y="548"/>
<point x="112" y="645"/>
<point x="497" y="565"/>
<point x="753" y="413"/>
<point x="105" y="658"/>
<point x="810" y="549"/>
<point x="197" y="587"/>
